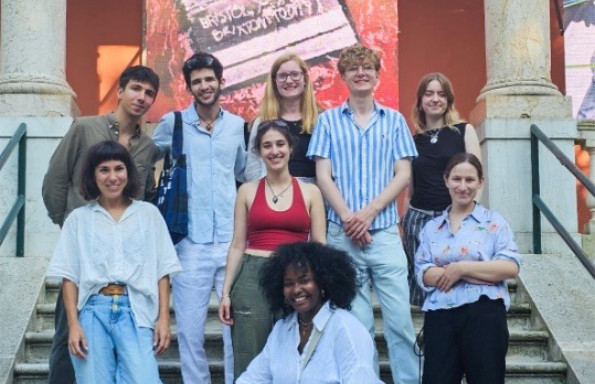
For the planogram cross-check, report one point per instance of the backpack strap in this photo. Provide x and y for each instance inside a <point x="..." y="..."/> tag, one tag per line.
<point x="178" y="137"/>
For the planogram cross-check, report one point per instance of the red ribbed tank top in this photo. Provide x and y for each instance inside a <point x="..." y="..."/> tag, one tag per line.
<point x="267" y="228"/>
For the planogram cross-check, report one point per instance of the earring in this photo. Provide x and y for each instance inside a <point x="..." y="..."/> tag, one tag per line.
<point x="323" y="294"/>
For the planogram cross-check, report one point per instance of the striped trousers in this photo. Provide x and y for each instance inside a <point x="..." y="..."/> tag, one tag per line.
<point x="413" y="223"/>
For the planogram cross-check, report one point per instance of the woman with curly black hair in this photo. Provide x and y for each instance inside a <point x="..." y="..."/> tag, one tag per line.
<point x="313" y="286"/>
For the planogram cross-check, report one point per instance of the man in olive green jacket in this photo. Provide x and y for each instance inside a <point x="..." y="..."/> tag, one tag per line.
<point x="137" y="90"/>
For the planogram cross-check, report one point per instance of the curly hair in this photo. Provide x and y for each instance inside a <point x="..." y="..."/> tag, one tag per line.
<point x="333" y="272"/>
<point x="356" y="55"/>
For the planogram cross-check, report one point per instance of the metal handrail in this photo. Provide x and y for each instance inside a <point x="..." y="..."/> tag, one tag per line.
<point x="539" y="205"/>
<point x="18" y="208"/>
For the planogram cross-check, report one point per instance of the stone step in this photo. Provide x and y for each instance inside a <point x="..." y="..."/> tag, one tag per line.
<point x="517" y="372"/>
<point x="523" y="346"/>
<point x="51" y="293"/>
<point x="519" y="316"/>
<point x="526" y="359"/>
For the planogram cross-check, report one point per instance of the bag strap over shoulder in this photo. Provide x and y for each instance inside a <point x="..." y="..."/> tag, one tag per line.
<point x="178" y="138"/>
<point x="314" y="339"/>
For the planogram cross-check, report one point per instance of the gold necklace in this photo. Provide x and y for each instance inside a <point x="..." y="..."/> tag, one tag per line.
<point x="277" y="195"/>
<point x="304" y="326"/>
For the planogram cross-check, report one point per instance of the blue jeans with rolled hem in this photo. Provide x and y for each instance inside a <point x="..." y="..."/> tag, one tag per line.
<point x="119" y="351"/>
<point x="383" y="264"/>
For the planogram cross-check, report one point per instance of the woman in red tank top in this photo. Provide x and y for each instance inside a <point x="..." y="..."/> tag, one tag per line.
<point x="277" y="209"/>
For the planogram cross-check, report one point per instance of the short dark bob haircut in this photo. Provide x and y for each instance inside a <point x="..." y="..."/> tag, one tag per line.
<point x="99" y="153"/>
<point x="277" y="125"/>
<point x="141" y="74"/>
<point x="333" y="272"/>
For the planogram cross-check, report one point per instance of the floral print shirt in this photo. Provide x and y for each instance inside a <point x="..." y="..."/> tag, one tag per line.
<point x="484" y="236"/>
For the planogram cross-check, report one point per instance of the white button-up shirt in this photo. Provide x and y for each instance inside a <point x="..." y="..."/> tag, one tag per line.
<point x="344" y="354"/>
<point x="94" y="250"/>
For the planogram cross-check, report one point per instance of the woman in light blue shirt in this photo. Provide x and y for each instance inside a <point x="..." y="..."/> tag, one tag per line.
<point x="115" y="257"/>
<point x="317" y="340"/>
<point x="464" y="259"/>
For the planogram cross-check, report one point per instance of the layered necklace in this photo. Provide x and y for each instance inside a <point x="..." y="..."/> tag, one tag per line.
<point x="277" y="195"/>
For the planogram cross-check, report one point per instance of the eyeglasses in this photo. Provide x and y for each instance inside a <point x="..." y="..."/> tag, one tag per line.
<point x="199" y="61"/>
<point x="282" y="76"/>
<point x="273" y="123"/>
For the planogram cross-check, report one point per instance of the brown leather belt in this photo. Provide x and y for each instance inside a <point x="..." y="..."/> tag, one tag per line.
<point x="114" y="289"/>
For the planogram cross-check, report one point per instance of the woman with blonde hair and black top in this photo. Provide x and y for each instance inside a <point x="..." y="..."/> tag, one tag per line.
<point x="288" y="96"/>
<point x="441" y="134"/>
<point x="277" y="209"/>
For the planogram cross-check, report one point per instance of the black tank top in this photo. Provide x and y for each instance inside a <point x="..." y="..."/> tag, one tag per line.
<point x="299" y="164"/>
<point x="429" y="191"/>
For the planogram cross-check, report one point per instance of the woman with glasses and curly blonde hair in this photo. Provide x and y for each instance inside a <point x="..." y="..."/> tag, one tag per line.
<point x="288" y="96"/>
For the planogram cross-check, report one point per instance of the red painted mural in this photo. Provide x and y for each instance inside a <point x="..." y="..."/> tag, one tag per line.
<point x="248" y="35"/>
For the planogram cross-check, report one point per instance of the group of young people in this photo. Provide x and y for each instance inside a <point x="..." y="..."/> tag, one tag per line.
<point x="293" y="276"/>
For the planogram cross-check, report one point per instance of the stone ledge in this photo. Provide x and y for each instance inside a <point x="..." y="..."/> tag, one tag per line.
<point x="562" y="293"/>
<point x="22" y="280"/>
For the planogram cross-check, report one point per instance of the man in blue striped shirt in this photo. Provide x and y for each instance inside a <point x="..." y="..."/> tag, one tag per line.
<point x="362" y="151"/>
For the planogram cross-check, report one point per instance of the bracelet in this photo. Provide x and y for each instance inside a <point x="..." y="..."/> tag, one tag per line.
<point x="224" y="296"/>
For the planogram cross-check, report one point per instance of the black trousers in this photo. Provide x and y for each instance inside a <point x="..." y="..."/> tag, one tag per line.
<point x="61" y="370"/>
<point x="470" y="340"/>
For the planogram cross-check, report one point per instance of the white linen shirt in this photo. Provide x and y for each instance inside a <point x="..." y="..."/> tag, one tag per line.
<point x="344" y="354"/>
<point x="94" y="250"/>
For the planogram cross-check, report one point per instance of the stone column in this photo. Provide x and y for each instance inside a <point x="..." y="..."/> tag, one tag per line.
<point x="32" y="62"/>
<point x="33" y="90"/>
<point x="518" y="47"/>
<point x="518" y="93"/>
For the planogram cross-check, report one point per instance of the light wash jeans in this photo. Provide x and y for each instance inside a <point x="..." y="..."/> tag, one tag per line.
<point x="204" y="268"/>
<point x="119" y="351"/>
<point x="384" y="264"/>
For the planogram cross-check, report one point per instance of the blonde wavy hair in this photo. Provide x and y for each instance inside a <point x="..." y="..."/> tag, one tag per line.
<point x="270" y="106"/>
<point x="451" y="115"/>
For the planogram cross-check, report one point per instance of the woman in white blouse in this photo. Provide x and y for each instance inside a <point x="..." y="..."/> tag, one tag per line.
<point x="115" y="257"/>
<point x="317" y="340"/>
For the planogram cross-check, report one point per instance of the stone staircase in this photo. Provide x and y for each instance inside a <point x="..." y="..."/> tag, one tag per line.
<point x="528" y="361"/>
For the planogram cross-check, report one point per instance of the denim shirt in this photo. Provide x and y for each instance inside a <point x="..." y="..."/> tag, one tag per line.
<point x="484" y="236"/>
<point x="344" y="353"/>
<point x="214" y="161"/>
<point x="362" y="160"/>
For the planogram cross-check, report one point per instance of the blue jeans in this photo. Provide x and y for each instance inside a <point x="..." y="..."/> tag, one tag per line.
<point x="119" y="351"/>
<point x="384" y="264"/>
